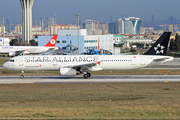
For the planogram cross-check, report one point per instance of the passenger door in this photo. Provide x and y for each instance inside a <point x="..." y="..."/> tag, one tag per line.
<point x="143" y="61"/>
<point x="21" y="62"/>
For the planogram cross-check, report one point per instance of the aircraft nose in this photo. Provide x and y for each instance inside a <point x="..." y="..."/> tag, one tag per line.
<point x="5" y="65"/>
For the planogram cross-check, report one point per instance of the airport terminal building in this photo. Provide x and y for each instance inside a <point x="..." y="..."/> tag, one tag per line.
<point x="86" y="42"/>
<point x="4" y="41"/>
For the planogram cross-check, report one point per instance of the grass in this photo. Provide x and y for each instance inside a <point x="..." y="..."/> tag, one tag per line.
<point x="3" y="60"/>
<point x="90" y="101"/>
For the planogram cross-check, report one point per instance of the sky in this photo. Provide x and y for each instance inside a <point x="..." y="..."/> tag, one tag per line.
<point x="99" y="10"/>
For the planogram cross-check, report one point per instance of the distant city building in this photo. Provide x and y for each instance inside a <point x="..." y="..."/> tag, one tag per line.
<point x="89" y="24"/>
<point x="113" y="28"/>
<point x="129" y="25"/>
<point x="53" y="29"/>
<point x="94" y="27"/>
<point x="7" y="24"/>
<point x="36" y="30"/>
<point x="147" y="30"/>
<point x="18" y="29"/>
<point x="2" y="29"/>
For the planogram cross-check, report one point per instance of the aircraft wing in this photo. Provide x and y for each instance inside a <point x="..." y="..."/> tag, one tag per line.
<point x="13" y="53"/>
<point x="51" y="49"/>
<point x="86" y="67"/>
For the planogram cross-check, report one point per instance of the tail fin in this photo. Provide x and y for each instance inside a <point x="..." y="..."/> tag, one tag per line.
<point x="160" y="46"/>
<point x="52" y="42"/>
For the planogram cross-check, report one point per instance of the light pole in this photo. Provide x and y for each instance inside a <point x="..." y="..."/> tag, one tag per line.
<point x="77" y="16"/>
<point x="68" y="40"/>
<point x="10" y="31"/>
<point x="41" y="25"/>
<point x="48" y="25"/>
<point x="18" y="31"/>
<point x="3" y="29"/>
<point x="36" y="26"/>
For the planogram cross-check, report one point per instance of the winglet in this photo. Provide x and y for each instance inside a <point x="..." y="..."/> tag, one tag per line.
<point x="52" y="42"/>
<point x="160" y="46"/>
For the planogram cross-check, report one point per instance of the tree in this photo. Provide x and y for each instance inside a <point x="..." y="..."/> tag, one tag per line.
<point x="103" y="32"/>
<point x="138" y="44"/>
<point x="33" y="43"/>
<point x="172" y="45"/>
<point x="36" y="36"/>
<point x="177" y="42"/>
<point x="133" y="50"/>
<point x="14" y="42"/>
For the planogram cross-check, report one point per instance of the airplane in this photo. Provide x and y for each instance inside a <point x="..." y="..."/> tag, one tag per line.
<point x="19" y="50"/>
<point x="71" y="65"/>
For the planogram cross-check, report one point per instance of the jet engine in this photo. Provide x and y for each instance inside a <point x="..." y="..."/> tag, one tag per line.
<point x="12" y="53"/>
<point x="68" y="71"/>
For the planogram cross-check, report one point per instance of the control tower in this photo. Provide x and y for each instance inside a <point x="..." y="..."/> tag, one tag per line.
<point x="26" y="20"/>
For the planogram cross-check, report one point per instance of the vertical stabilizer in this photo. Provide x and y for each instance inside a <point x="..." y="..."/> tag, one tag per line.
<point x="160" y="46"/>
<point x="52" y="42"/>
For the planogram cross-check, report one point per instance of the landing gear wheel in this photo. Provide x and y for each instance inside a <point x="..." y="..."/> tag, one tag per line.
<point x="22" y="76"/>
<point x="89" y="74"/>
<point x="86" y="76"/>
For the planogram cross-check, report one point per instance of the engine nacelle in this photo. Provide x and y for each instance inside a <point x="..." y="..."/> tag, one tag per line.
<point x="12" y="53"/>
<point x="68" y="71"/>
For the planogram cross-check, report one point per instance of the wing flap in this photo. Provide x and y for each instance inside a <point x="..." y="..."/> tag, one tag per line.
<point x="81" y="65"/>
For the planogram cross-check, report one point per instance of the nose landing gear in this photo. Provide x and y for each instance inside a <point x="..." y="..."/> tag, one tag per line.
<point x="22" y="74"/>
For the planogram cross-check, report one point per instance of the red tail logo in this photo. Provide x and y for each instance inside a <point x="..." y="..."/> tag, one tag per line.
<point x="52" y="42"/>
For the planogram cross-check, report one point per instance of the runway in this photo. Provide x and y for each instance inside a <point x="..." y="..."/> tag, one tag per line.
<point x="93" y="79"/>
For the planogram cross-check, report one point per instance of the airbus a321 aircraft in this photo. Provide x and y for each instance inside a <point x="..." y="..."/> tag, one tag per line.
<point x="70" y="65"/>
<point x="16" y="50"/>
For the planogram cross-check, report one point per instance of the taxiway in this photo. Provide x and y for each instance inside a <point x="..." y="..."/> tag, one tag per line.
<point x="93" y="79"/>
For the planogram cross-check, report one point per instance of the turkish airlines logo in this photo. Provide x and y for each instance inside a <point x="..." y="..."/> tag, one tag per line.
<point x="159" y="49"/>
<point x="53" y="41"/>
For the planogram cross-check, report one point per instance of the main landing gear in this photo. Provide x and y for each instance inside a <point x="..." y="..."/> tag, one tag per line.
<point x="22" y="74"/>
<point x="87" y="75"/>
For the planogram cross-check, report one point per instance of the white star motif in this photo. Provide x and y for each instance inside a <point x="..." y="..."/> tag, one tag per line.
<point x="159" y="47"/>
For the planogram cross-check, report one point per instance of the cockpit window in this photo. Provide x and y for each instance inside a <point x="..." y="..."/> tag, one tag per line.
<point x="12" y="60"/>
